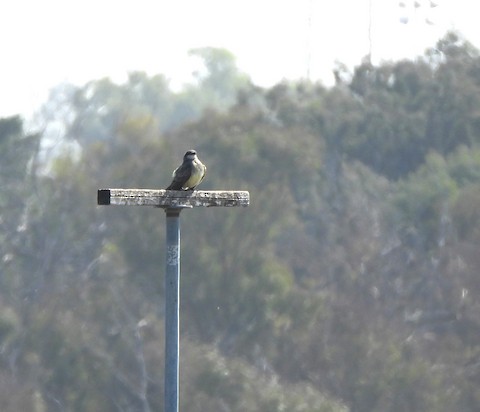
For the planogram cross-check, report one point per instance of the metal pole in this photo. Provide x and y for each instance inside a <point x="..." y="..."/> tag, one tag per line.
<point x="172" y="309"/>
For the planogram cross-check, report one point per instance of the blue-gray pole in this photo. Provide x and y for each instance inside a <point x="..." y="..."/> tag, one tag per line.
<point x="172" y="202"/>
<point x="172" y="309"/>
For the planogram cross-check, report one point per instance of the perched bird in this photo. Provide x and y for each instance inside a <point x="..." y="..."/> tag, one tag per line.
<point x="189" y="174"/>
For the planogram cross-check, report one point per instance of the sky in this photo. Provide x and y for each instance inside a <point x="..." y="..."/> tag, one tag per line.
<point x="49" y="42"/>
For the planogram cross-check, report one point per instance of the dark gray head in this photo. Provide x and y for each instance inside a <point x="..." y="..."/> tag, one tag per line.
<point x="190" y="155"/>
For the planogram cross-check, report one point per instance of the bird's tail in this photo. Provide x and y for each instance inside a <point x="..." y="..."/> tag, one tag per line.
<point x="174" y="186"/>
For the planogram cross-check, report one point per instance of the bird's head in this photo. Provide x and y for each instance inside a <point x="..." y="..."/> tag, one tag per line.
<point x="190" y="155"/>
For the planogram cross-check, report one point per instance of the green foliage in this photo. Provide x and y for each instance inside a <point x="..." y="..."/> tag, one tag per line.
<point x="426" y="196"/>
<point x="349" y="284"/>
<point x="218" y="381"/>
<point x="91" y="114"/>
<point x="221" y="79"/>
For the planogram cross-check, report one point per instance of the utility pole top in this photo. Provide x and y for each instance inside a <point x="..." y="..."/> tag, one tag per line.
<point x="172" y="198"/>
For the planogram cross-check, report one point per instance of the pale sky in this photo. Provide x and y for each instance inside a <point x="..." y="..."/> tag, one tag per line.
<point x="46" y="42"/>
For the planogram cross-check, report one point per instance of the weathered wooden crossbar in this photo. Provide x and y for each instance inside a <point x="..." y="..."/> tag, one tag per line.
<point x="172" y="198"/>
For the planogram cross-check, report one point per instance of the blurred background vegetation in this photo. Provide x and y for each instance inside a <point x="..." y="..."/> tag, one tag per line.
<point x="351" y="283"/>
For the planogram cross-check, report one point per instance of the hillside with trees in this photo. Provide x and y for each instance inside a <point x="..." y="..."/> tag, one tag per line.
<point x="350" y="284"/>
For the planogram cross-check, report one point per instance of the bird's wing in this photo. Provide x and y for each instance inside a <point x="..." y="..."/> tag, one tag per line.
<point x="180" y="176"/>
<point x="204" y="174"/>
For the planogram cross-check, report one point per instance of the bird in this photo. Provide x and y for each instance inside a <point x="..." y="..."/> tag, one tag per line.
<point x="189" y="174"/>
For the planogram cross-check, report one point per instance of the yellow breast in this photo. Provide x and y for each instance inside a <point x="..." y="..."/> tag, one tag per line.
<point x="196" y="177"/>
